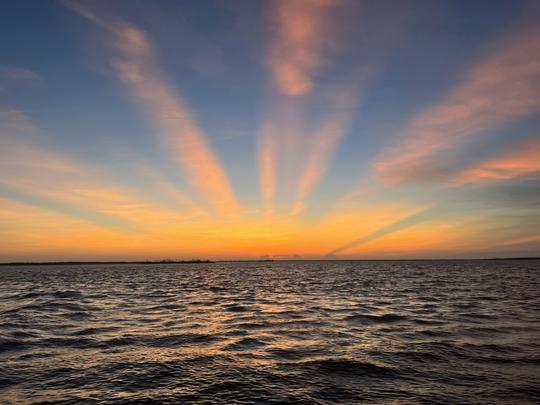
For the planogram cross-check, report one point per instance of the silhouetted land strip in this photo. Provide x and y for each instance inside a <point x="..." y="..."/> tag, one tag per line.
<point x="196" y="261"/>
<point x="107" y="262"/>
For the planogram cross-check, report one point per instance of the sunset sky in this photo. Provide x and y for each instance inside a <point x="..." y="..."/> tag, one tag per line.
<point x="269" y="129"/>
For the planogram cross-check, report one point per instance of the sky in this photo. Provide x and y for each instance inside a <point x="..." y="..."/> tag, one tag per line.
<point x="286" y="129"/>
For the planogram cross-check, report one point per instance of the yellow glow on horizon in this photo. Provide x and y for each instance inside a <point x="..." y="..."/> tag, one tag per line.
<point x="28" y="229"/>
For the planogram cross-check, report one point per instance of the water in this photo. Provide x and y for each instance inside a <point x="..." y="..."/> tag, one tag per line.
<point x="297" y="332"/>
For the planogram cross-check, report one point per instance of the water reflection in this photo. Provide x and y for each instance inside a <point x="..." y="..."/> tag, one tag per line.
<point x="303" y="332"/>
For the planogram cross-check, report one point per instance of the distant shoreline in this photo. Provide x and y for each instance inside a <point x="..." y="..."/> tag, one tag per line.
<point x="68" y="263"/>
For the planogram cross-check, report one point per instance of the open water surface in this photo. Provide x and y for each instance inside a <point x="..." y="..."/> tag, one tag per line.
<point x="269" y="333"/>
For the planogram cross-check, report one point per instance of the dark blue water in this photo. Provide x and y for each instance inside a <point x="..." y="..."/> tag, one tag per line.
<point x="256" y="333"/>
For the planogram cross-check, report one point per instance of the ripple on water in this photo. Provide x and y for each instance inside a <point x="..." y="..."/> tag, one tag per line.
<point x="347" y="367"/>
<point x="384" y="318"/>
<point x="298" y="332"/>
<point x="247" y="343"/>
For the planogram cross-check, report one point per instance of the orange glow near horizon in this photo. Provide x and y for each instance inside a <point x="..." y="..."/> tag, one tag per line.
<point x="161" y="235"/>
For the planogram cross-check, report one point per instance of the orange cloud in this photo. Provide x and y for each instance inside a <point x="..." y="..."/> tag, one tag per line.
<point x="521" y="161"/>
<point x="278" y="140"/>
<point x="267" y="166"/>
<point x="296" y="52"/>
<point x="39" y="176"/>
<point x="324" y="143"/>
<point x="173" y="118"/>
<point x="500" y="89"/>
<point x="136" y="66"/>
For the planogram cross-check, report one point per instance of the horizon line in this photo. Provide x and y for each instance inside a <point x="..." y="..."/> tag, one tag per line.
<point x="208" y="261"/>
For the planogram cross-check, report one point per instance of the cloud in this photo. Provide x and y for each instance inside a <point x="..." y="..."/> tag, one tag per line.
<point x="18" y="74"/>
<point x="500" y="89"/>
<point x="296" y="51"/>
<point x="136" y="65"/>
<point x="404" y="223"/>
<point x="267" y="166"/>
<point x="522" y="160"/>
<point x="162" y="187"/>
<point x="40" y="178"/>
<point x="324" y="142"/>
<point x="31" y="171"/>
<point x="320" y="78"/>
<point x="518" y="193"/>
<point x="12" y="119"/>
<point x="96" y="217"/>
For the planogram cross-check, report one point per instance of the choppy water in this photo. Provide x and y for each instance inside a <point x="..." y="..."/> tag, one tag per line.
<point x="298" y="332"/>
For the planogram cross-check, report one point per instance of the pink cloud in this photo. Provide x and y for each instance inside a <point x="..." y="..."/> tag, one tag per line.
<point x="502" y="88"/>
<point x="297" y="50"/>
<point x="521" y="161"/>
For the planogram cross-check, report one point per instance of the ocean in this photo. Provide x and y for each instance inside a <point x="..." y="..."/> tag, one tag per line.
<point x="370" y="332"/>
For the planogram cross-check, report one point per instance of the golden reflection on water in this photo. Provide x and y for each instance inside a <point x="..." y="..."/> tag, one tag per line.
<point x="126" y="331"/>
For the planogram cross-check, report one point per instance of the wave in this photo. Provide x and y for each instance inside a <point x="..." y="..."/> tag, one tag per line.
<point x="350" y="367"/>
<point x="247" y="343"/>
<point x="385" y="318"/>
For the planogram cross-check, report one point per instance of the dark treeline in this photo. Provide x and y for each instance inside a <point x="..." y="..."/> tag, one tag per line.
<point x="106" y="262"/>
<point x="168" y="261"/>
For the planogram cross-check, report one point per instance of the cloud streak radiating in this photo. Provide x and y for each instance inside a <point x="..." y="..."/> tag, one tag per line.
<point x="296" y="53"/>
<point x="502" y="88"/>
<point x="136" y="65"/>
<point x="404" y="223"/>
<point x="95" y="217"/>
<point x="324" y="142"/>
<point x="35" y="173"/>
<point x="318" y="99"/>
<point x="267" y="166"/>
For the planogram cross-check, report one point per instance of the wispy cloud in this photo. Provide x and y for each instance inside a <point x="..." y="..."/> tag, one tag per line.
<point x="480" y="192"/>
<point x="12" y="119"/>
<point x="401" y="224"/>
<point x="163" y="187"/>
<point x="96" y="217"/>
<point x="40" y="178"/>
<point x="316" y="109"/>
<point x="18" y="74"/>
<point x="296" y="52"/>
<point x="324" y="142"/>
<point x="267" y="166"/>
<point x="136" y="65"/>
<point x="305" y="34"/>
<point x="500" y="89"/>
<point x="522" y="160"/>
<point x="33" y="172"/>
